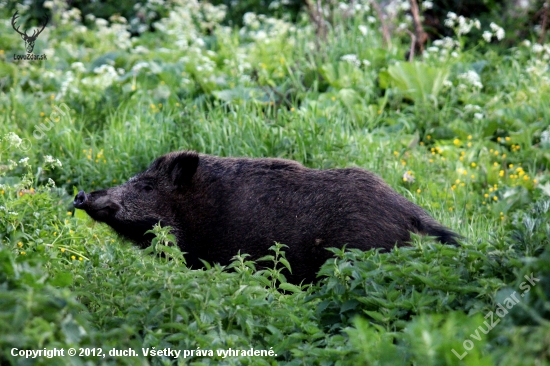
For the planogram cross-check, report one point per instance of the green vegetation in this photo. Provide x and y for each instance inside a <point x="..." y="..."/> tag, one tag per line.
<point x="462" y="131"/>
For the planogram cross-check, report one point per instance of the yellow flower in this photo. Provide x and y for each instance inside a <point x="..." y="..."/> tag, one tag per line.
<point x="69" y="213"/>
<point x="510" y="166"/>
<point x="486" y="195"/>
<point x="19" y="244"/>
<point x="428" y="137"/>
<point x="456" y="142"/>
<point x="23" y="253"/>
<point x="62" y="250"/>
<point x="501" y="173"/>
<point x="73" y="257"/>
<point x="79" y="258"/>
<point x="418" y="190"/>
<point x="473" y="165"/>
<point x="457" y="181"/>
<point x="495" y="198"/>
<point x="469" y="137"/>
<point x="461" y="158"/>
<point x="472" y="176"/>
<point x="395" y="153"/>
<point x="507" y="138"/>
<point x="431" y="160"/>
<point x="292" y="109"/>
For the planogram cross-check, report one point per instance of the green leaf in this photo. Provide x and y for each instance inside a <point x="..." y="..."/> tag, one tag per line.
<point x="417" y="81"/>
<point x="62" y="279"/>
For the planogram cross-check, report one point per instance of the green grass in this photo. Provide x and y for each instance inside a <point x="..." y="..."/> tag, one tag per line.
<point x="479" y="158"/>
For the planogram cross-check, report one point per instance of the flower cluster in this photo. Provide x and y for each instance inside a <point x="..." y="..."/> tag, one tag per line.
<point x="461" y="24"/>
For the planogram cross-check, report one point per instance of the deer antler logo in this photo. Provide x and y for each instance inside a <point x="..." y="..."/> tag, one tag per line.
<point x="29" y="40"/>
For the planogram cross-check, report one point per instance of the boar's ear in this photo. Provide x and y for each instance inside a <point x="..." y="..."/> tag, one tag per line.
<point x="183" y="166"/>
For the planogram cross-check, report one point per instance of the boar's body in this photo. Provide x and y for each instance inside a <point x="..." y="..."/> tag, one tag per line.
<point x="220" y="206"/>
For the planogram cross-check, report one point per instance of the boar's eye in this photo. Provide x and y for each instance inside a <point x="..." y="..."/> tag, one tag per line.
<point x="145" y="187"/>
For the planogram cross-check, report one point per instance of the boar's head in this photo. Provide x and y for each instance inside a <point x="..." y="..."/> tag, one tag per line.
<point x="148" y="198"/>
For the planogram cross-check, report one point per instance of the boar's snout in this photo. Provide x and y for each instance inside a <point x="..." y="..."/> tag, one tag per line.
<point x="100" y="205"/>
<point x="80" y="200"/>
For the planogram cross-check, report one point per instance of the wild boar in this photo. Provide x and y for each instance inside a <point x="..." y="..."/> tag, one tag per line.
<point x="220" y="206"/>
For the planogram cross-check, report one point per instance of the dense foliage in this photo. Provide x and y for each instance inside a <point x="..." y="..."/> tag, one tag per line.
<point x="463" y="131"/>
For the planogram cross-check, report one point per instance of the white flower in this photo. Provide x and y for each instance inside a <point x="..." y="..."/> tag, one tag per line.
<point x="537" y="48"/>
<point x="371" y="19"/>
<point x="24" y="161"/>
<point x="447" y="83"/>
<point x="363" y="29"/>
<point x="366" y="63"/>
<point x="250" y="19"/>
<point x="451" y="15"/>
<point x="101" y="22"/>
<point x="472" y="78"/>
<point x="487" y="36"/>
<point x="352" y="59"/>
<point x="407" y="177"/>
<point x="13" y="139"/>
<point x="500" y="34"/>
<point x="427" y="4"/>
<point x="478" y="116"/>
<point x="78" y="67"/>
<point x="48" y="159"/>
<point x="471" y="107"/>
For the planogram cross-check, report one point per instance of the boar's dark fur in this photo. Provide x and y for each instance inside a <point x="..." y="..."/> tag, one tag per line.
<point x="220" y="206"/>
